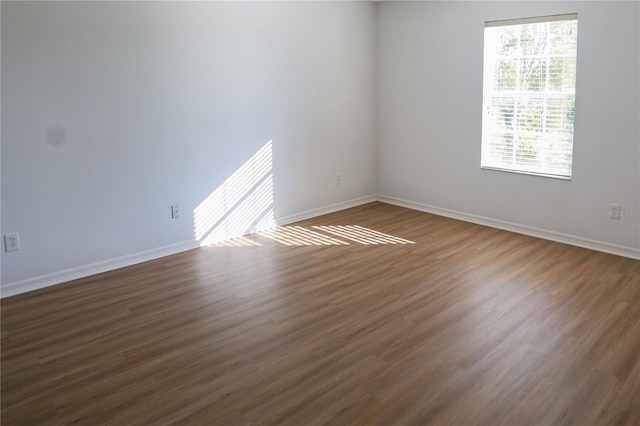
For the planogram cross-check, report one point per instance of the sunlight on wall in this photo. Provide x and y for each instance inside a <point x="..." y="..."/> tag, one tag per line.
<point x="242" y="204"/>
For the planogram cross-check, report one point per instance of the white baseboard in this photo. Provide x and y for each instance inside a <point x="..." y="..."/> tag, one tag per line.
<point x="631" y="252"/>
<point x="325" y="210"/>
<point x="23" y="286"/>
<point x="43" y="281"/>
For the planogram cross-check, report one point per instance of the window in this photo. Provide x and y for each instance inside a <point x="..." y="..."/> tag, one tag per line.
<point x="529" y="95"/>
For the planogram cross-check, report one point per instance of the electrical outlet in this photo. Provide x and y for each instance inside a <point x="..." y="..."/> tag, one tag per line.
<point x="11" y="242"/>
<point x="338" y="178"/>
<point x="175" y="211"/>
<point x="614" y="211"/>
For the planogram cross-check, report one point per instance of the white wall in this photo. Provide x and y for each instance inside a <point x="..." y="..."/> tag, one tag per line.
<point x="429" y="106"/>
<point x="113" y="111"/>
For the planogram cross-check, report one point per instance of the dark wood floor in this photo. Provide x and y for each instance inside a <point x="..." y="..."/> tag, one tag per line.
<point x="467" y="325"/>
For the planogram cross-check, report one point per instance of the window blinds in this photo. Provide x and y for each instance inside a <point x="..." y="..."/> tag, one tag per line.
<point x="529" y="95"/>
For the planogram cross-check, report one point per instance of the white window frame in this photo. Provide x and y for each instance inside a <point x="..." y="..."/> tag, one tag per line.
<point x="551" y="154"/>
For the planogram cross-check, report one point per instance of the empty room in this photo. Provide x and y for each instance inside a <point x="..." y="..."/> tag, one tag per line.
<point x="320" y="212"/>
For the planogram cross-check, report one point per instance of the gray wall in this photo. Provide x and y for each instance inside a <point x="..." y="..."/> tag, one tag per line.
<point x="113" y="111"/>
<point x="429" y="107"/>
